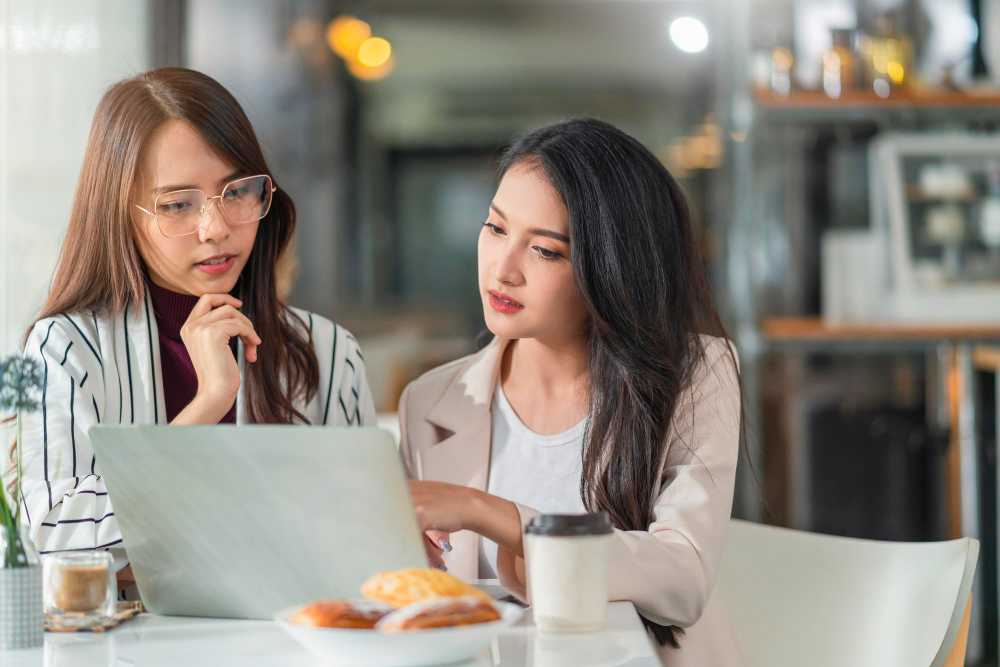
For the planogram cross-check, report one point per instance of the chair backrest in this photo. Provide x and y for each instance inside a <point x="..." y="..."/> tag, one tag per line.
<point x="798" y="598"/>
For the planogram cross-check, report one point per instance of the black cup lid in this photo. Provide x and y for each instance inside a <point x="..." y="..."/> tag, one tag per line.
<point x="559" y="525"/>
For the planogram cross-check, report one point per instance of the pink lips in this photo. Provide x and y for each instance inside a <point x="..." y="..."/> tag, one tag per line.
<point x="216" y="267"/>
<point x="502" y="303"/>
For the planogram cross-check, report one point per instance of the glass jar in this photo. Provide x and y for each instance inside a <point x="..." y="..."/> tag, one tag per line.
<point x="839" y="64"/>
<point x="889" y="58"/>
<point x="80" y="586"/>
<point x="781" y="71"/>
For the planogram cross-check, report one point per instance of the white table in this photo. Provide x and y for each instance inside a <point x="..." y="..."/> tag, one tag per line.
<point x="149" y="641"/>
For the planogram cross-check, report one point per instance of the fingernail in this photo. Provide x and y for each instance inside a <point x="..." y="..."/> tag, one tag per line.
<point x="442" y="567"/>
<point x="446" y="545"/>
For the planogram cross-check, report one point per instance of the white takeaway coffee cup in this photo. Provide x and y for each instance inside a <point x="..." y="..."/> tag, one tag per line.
<point x="568" y="558"/>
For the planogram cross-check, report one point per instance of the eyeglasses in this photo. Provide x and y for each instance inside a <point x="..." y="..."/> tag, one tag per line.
<point x="183" y="212"/>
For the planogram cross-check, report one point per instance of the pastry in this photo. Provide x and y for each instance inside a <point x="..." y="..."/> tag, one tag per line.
<point x="439" y="613"/>
<point x="358" y="614"/>
<point x="403" y="587"/>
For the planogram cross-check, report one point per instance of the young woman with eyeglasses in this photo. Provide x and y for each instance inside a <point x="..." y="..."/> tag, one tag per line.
<point x="164" y="307"/>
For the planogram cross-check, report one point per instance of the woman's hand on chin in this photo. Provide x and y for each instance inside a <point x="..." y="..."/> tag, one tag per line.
<point x="215" y="320"/>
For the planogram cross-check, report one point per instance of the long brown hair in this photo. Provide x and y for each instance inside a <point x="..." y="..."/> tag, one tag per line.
<point x="636" y="262"/>
<point x="100" y="268"/>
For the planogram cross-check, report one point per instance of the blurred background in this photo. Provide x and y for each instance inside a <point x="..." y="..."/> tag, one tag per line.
<point x="842" y="158"/>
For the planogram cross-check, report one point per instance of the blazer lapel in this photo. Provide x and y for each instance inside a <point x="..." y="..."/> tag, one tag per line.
<point x="137" y="357"/>
<point x="464" y="457"/>
<point x="151" y="358"/>
<point x="464" y="410"/>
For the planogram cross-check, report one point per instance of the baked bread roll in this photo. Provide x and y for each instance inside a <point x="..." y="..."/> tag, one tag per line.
<point x="403" y="587"/>
<point x="439" y="613"/>
<point x="357" y="614"/>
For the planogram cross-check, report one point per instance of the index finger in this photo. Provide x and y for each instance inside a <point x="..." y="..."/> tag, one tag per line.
<point x="439" y="538"/>
<point x="208" y="302"/>
<point x="433" y="544"/>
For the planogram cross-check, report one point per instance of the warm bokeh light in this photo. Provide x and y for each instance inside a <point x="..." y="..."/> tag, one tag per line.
<point x="365" y="73"/>
<point x="782" y="58"/>
<point x="346" y="34"/>
<point x="895" y="71"/>
<point x="374" y="52"/>
<point x="367" y="58"/>
<point x="702" y="150"/>
<point x="865" y="45"/>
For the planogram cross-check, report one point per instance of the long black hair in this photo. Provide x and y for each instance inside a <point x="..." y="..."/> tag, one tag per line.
<point x="636" y="262"/>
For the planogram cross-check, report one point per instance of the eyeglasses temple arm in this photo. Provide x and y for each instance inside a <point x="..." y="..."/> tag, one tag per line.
<point x="142" y="209"/>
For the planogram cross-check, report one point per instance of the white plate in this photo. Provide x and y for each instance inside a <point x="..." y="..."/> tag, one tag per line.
<point x="491" y="587"/>
<point x="370" y="648"/>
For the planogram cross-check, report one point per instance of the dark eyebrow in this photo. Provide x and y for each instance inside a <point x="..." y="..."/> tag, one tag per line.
<point x="172" y="188"/>
<point x="536" y="231"/>
<point x="231" y="177"/>
<point x="552" y="235"/>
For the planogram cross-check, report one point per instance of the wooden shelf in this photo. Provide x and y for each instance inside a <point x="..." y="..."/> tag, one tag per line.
<point x="817" y="99"/>
<point x="814" y="329"/>
<point x="814" y="107"/>
<point x="916" y="195"/>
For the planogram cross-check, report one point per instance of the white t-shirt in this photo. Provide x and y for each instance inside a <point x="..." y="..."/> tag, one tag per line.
<point x="540" y="471"/>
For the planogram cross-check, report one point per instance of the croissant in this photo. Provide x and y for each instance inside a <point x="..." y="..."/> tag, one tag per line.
<point x="439" y="613"/>
<point x="357" y="614"/>
<point x="403" y="587"/>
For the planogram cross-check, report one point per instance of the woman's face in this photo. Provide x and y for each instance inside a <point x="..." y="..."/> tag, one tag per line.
<point x="525" y="275"/>
<point x="210" y="260"/>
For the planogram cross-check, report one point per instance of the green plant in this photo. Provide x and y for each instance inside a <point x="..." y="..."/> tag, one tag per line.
<point x="20" y="382"/>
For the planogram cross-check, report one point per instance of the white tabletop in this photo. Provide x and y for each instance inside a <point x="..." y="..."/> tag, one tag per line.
<point x="150" y="640"/>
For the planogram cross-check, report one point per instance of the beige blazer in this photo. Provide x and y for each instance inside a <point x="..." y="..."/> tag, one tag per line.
<point x="668" y="571"/>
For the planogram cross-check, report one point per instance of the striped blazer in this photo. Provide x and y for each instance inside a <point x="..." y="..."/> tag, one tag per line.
<point x="106" y="370"/>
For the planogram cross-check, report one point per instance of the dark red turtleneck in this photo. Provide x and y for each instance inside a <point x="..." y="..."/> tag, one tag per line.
<point x="180" y="382"/>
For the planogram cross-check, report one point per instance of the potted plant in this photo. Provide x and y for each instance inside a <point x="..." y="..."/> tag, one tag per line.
<point x="21" y="619"/>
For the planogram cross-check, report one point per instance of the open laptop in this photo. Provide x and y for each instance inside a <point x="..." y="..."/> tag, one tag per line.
<point x="241" y="522"/>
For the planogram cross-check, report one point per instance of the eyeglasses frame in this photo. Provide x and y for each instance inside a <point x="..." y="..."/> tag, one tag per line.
<point x="208" y="203"/>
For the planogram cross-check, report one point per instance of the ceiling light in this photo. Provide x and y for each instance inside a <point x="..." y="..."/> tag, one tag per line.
<point x="689" y="34"/>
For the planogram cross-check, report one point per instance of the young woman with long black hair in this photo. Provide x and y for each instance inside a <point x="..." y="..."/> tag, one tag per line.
<point x="610" y="385"/>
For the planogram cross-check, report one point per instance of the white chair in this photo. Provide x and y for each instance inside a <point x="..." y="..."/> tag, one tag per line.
<point x="389" y="421"/>
<point x="799" y="598"/>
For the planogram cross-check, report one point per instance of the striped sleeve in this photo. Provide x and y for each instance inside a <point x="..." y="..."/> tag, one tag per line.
<point x="64" y="500"/>
<point x="344" y="397"/>
<point x="354" y="396"/>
